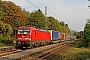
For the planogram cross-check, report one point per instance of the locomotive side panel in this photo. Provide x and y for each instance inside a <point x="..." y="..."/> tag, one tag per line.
<point x="46" y="36"/>
<point x="38" y="35"/>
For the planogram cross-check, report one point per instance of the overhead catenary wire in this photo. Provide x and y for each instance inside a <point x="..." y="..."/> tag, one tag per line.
<point x="32" y="4"/>
<point x="40" y="3"/>
<point x="48" y="8"/>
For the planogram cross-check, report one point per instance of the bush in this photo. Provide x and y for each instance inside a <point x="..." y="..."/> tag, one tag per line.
<point x="79" y="44"/>
<point x="1" y="44"/>
<point x="82" y="55"/>
<point x="7" y="41"/>
<point x="89" y="44"/>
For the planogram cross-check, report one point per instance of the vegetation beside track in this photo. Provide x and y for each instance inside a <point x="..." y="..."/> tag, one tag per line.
<point x="6" y="42"/>
<point x="1" y="44"/>
<point x="76" y="54"/>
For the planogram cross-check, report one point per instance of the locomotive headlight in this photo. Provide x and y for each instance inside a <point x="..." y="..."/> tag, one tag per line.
<point x="19" y="39"/>
<point x="30" y="38"/>
<point x="27" y="38"/>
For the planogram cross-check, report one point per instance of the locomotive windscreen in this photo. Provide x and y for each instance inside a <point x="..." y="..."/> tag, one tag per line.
<point x="23" y="31"/>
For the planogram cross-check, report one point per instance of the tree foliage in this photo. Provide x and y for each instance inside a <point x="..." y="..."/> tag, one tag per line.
<point x="52" y="23"/>
<point x="67" y="30"/>
<point x="12" y="14"/>
<point x="75" y="33"/>
<point x="5" y="31"/>
<point x="37" y="19"/>
<point x="64" y="27"/>
<point x="86" y="35"/>
<point x="26" y="16"/>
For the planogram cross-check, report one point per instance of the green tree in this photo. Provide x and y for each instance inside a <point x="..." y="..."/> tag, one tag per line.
<point x="37" y="19"/>
<point x="86" y="35"/>
<point x="67" y="30"/>
<point x="53" y="23"/>
<point x="5" y="31"/>
<point x="62" y="26"/>
<point x="75" y="34"/>
<point x="12" y="14"/>
<point x="26" y="16"/>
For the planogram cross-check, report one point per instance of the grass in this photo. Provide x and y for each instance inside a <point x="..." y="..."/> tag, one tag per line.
<point x="1" y="44"/>
<point x="77" y="54"/>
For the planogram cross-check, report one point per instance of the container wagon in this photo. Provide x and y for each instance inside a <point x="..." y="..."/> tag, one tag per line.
<point x="54" y="36"/>
<point x="63" y="36"/>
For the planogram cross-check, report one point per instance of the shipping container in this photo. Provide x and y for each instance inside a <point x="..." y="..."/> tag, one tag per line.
<point x="63" y="36"/>
<point x="54" y="35"/>
<point x="69" y="36"/>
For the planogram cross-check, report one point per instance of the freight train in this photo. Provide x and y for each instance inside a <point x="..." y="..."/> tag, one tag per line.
<point x="28" y="36"/>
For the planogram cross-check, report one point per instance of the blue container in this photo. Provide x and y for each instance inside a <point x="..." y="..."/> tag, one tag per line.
<point x="54" y="35"/>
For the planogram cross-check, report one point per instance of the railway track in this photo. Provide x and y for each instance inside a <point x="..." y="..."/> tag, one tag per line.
<point x="43" y="54"/>
<point x="34" y="54"/>
<point x="6" y="53"/>
<point x="6" y="48"/>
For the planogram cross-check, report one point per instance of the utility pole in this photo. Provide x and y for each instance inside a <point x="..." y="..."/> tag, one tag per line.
<point x="46" y="27"/>
<point x="89" y="5"/>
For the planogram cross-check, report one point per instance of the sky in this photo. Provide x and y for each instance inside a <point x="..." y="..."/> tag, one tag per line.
<point x="72" y="12"/>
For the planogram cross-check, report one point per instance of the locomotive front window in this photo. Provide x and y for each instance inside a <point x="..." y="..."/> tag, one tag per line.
<point x="26" y="31"/>
<point x="23" y="31"/>
<point x="20" y="31"/>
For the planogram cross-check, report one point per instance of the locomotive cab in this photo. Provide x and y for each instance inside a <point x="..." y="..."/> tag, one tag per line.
<point x="23" y="37"/>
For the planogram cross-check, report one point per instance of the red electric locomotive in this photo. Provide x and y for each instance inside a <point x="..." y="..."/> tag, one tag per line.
<point x="28" y="36"/>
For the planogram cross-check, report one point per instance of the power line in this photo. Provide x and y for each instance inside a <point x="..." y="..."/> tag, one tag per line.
<point x="32" y="4"/>
<point x="40" y="2"/>
<point x="48" y="8"/>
